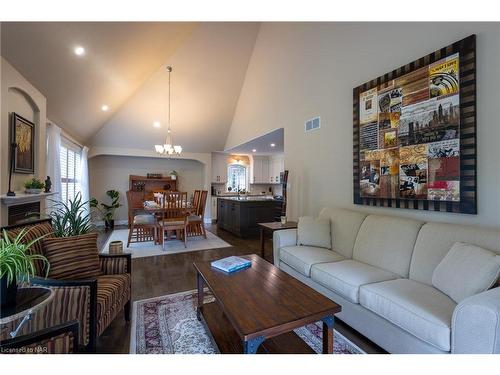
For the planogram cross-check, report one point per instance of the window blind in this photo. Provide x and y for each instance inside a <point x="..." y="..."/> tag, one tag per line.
<point x="70" y="169"/>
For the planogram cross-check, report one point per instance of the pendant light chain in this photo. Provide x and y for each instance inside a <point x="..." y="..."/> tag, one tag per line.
<point x="168" y="148"/>
<point x="169" y="102"/>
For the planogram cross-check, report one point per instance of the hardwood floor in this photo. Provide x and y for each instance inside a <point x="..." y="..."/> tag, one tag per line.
<point x="166" y="274"/>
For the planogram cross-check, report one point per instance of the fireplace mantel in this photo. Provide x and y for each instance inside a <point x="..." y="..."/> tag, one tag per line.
<point x="21" y="198"/>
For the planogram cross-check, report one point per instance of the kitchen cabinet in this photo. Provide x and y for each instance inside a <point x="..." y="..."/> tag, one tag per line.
<point x="267" y="169"/>
<point x="241" y="216"/>
<point x="276" y="166"/>
<point x="260" y="171"/>
<point x="219" y="168"/>
<point x="213" y="210"/>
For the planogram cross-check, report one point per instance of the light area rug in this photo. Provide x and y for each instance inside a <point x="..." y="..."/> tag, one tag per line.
<point x="149" y="249"/>
<point x="168" y="325"/>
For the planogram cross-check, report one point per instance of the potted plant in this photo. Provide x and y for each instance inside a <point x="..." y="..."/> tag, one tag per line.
<point x="107" y="211"/>
<point x="16" y="261"/>
<point x="34" y="186"/>
<point x="173" y="175"/>
<point x="70" y="219"/>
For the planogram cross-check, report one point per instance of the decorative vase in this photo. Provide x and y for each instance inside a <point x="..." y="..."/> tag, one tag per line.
<point x="173" y="177"/>
<point x="116" y="247"/>
<point x="8" y="292"/>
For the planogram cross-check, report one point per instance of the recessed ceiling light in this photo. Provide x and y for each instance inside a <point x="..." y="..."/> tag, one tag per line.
<point x="273" y="144"/>
<point x="254" y="150"/>
<point x="156" y="124"/>
<point x="104" y="107"/>
<point x="79" y="51"/>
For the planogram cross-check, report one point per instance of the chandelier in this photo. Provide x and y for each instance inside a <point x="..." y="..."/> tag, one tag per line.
<point x="168" y="147"/>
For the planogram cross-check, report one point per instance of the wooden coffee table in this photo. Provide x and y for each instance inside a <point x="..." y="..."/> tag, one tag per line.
<point x="261" y="305"/>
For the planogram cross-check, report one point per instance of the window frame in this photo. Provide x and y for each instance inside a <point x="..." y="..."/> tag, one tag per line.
<point x="245" y="168"/>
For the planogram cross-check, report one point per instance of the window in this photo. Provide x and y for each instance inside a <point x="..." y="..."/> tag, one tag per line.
<point x="70" y="170"/>
<point x="236" y="177"/>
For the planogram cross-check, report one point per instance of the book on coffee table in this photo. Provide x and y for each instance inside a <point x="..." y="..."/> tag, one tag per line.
<point x="231" y="264"/>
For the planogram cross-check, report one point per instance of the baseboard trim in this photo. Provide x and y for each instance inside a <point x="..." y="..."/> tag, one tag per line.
<point x="117" y="222"/>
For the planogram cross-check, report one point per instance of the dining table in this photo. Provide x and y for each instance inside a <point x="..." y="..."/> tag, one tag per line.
<point x="158" y="210"/>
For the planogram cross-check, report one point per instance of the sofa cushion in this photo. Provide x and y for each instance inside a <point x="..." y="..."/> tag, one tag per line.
<point x="314" y="232"/>
<point x="387" y="242"/>
<point x="479" y="267"/>
<point x="73" y="257"/>
<point x="302" y="258"/>
<point x="346" y="277"/>
<point x="419" y="309"/>
<point x="344" y="227"/>
<point x="435" y="241"/>
<point x="144" y="219"/>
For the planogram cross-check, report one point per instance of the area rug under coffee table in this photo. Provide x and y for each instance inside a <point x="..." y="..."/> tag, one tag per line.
<point x="168" y="325"/>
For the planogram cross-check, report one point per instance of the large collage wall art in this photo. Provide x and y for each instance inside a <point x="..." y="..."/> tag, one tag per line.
<point x="414" y="134"/>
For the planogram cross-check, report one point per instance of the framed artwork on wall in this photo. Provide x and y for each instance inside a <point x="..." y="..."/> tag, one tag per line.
<point x="414" y="134"/>
<point x="23" y="134"/>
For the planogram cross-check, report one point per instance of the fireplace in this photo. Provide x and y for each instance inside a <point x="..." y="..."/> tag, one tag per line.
<point x="21" y="213"/>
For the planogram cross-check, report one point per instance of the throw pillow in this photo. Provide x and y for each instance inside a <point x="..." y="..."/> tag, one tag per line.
<point x="314" y="232"/>
<point x="73" y="257"/>
<point x="466" y="270"/>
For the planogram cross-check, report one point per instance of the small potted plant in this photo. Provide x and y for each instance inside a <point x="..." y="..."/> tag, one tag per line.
<point x="173" y="175"/>
<point x="107" y="211"/>
<point x="15" y="262"/>
<point x="34" y="186"/>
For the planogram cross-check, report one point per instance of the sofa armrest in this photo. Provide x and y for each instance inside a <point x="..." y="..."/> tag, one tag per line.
<point x="283" y="238"/>
<point x="114" y="264"/>
<point x="476" y="324"/>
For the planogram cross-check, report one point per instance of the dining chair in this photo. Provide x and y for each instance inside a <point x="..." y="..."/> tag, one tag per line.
<point x="196" y="199"/>
<point x="136" y="204"/>
<point x="196" y="225"/>
<point x="143" y="227"/>
<point x="174" y="216"/>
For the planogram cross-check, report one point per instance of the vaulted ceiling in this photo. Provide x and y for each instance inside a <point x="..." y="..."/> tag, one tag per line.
<point x="124" y="67"/>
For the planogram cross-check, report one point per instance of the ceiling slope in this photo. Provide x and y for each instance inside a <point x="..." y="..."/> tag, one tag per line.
<point x="208" y="72"/>
<point x="119" y="57"/>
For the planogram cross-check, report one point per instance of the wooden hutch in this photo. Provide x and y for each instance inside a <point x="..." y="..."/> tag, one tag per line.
<point x="142" y="188"/>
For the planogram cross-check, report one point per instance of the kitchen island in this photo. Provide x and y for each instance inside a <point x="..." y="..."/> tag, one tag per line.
<point x="241" y="215"/>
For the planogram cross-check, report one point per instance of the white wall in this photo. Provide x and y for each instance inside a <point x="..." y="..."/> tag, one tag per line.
<point x="18" y="95"/>
<point x="112" y="172"/>
<point x="301" y="70"/>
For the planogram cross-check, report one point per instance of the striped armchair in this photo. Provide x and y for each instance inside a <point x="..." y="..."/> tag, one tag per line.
<point x="94" y="302"/>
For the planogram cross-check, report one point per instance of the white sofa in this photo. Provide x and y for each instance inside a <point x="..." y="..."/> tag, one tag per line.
<point x="379" y="269"/>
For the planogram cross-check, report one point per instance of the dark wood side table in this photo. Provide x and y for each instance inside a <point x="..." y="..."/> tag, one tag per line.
<point x="271" y="228"/>
<point x="28" y="301"/>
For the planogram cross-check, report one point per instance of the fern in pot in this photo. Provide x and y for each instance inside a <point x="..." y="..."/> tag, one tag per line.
<point x="16" y="262"/>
